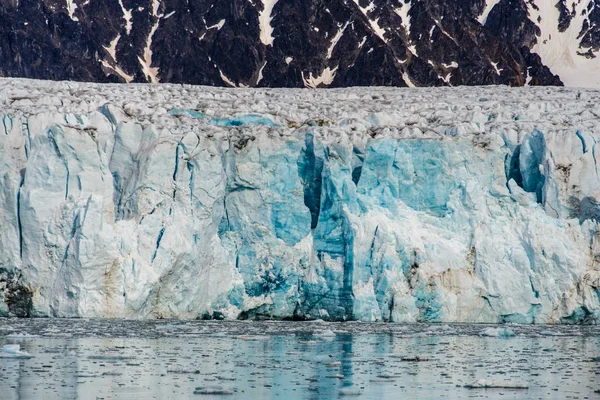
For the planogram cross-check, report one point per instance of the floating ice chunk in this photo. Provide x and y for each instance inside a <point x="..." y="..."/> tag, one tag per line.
<point x="497" y="332"/>
<point x="13" y="351"/>
<point x="489" y="384"/>
<point x="350" y="392"/>
<point x="214" y="390"/>
<point x="110" y="373"/>
<point x="327" y="333"/>
<point x="308" y="342"/>
<point x="224" y="378"/>
<point x="11" y="348"/>
<point x="415" y="359"/>
<point x="110" y="357"/>
<point x="21" y="335"/>
<point x="176" y="370"/>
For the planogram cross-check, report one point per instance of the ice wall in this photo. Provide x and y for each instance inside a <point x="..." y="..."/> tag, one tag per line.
<point x="404" y="205"/>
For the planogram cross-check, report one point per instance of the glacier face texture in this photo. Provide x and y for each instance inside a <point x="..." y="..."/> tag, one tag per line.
<point x="403" y="205"/>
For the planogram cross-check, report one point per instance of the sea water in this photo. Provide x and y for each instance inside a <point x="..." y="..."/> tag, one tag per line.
<point x="168" y="359"/>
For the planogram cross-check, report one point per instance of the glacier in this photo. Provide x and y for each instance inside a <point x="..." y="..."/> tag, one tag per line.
<point x="370" y="204"/>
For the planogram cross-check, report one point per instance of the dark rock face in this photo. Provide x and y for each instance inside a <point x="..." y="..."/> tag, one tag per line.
<point x="289" y="43"/>
<point x="17" y="295"/>
<point x="590" y="30"/>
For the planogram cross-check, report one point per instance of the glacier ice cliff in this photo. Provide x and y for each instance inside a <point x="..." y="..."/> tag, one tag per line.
<point x="372" y="204"/>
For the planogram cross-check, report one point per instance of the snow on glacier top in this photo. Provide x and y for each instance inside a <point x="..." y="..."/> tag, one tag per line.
<point x="376" y="112"/>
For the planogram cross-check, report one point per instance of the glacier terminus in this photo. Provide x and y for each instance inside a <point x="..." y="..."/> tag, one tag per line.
<point x="471" y="204"/>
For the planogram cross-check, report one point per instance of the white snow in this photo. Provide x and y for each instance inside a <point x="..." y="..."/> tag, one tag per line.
<point x="230" y="82"/>
<point x="325" y="79"/>
<point x="446" y="78"/>
<point x="260" y="72"/>
<point x="335" y="39"/>
<point x="71" y="7"/>
<point x="217" y="26"/>
<point x="528" y="78"/>
<point x="118" y="70"/>
<point x="226" y="79"/>
<point x="112" y="64"/>
<point x="127" y="16"/>
<point x="453" y="64"/>
<point x="495" y="65"/>
<point x="112" y="49"/>
<point x="407" y="80"/>
<point x="403" y="13"/>
<point x="151" y="73"/>
<point x="155" y="6"/>
<point x="489" y="5"/>
<point x="558" y="50"/>
<point x="369" y="8"/>
<point x="374" y="24"/>
<point x="264" y="22"/>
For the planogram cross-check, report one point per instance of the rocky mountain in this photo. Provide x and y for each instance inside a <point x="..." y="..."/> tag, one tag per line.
<point x="308" y="43"/>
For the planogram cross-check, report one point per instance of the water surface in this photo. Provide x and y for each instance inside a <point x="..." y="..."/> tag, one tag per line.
<point x="108" y="359"/>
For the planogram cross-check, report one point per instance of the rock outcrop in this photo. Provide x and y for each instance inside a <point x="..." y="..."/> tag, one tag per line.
<point x="299" y="43"/>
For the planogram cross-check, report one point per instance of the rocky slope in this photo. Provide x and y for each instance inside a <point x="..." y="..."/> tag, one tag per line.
<point x="334" y="43"/>
<point x="427" y="204"/>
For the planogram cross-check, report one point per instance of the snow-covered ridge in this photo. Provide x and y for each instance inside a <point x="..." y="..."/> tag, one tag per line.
<point x="564" y="52"/>
<point x="464" y="204"/>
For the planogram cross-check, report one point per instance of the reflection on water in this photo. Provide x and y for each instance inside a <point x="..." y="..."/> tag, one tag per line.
<point x="79" y="359"/>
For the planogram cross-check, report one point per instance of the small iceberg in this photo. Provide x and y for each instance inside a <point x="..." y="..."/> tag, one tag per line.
<point x="13" y="351"/>
<point x="497" y="332"/>
<point x="213" y="390"/>
<point x="489" y="384"/>
<point x="327" y="333"/>
<point x="350" y="392"/>
<point x="21" y="335"/>
<point x="414" y="359"/>
<point x="176" y="370"/>
<point x="110" y="357"/>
